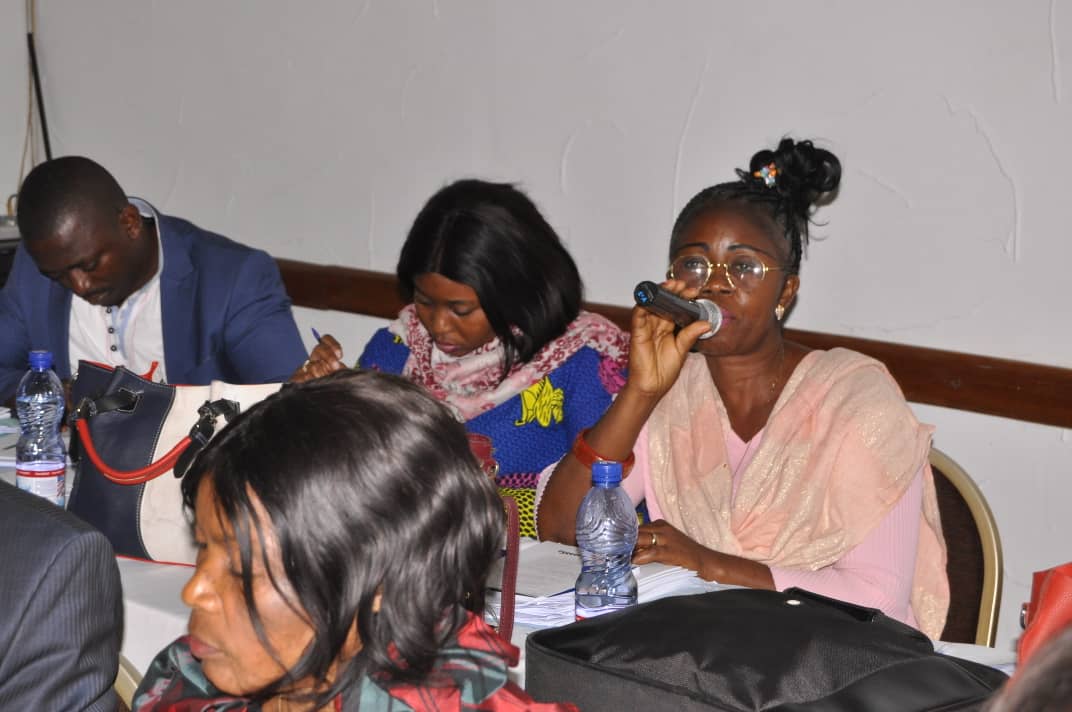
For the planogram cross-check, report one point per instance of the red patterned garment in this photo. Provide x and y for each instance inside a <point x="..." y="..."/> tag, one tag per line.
<point x="469" y="675"/>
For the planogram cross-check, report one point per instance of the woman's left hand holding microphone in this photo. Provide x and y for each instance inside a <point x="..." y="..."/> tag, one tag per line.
<point x="326" y="358"/>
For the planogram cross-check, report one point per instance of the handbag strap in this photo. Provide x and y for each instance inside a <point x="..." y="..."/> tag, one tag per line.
<point x="127" y="400"/>
<point x="509" y="577"/>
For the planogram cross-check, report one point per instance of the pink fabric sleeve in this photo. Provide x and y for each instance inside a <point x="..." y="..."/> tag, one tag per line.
<point x="638" y="484"/>
<point x="878" y="572"/>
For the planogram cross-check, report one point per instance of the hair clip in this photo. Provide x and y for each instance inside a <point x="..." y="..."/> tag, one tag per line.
<point x="768" y="173"/>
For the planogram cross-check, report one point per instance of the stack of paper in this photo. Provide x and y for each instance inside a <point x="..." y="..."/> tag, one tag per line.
<point x="547" y="572"/>
<point x="9" y="435"/>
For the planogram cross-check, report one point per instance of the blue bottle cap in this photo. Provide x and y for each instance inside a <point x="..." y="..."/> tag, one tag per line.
<point x="606" y="473"/>
<point x="40" y="360"/>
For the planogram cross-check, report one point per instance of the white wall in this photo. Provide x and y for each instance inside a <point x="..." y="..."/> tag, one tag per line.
<point x="316" y="129"/>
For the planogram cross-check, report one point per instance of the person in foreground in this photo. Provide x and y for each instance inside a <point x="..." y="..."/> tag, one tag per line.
<point x="763" y="463"/>
<point x="330" y="576"/>
<point x="495" y="330"/>
<point x="1043" y="683"/>
<point x="62" y="619"/>
<point x="106" y="278"/>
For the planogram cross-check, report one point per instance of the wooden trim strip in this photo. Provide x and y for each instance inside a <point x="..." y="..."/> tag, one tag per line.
<point x="981" y="384"/>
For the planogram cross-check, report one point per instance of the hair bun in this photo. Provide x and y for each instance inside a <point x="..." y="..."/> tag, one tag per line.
<point x="804" y="173"/>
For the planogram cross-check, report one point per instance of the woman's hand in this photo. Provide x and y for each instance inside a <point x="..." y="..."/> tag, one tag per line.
<point x="661" y="542"/>
<point x="326" y="358"/>
<point x="656" y="353"/>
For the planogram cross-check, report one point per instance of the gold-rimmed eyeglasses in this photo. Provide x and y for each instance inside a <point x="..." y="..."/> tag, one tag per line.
<point x="742" y="271"/>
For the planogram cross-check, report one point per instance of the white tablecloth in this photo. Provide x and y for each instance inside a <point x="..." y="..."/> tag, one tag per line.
<point x="155" y="614"/>
<point x="153" y="611"/>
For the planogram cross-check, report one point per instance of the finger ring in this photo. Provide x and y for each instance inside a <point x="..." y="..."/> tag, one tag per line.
<point x="654" y="540"/>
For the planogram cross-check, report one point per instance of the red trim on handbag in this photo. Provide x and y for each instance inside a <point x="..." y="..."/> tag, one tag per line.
<point x="129" y="477"/>
<point x="156" y="561"/>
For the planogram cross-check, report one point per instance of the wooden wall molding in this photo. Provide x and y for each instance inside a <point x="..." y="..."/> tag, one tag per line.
<point x="981" y="384"/>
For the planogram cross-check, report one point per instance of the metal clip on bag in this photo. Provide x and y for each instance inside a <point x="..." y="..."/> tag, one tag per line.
<point x="749" y="649"/>
<point x="129" y="436"/>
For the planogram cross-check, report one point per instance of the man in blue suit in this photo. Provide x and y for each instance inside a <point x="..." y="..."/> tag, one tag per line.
<point x="63" y="610"/>
<point x="107" y="279"/>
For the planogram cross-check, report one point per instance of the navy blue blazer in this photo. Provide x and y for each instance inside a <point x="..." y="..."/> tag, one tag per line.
<point x="226" y="315"/>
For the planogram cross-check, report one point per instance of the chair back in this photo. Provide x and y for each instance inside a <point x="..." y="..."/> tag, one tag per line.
<point x="126" y="684"/>
<point x="974" y="565"/>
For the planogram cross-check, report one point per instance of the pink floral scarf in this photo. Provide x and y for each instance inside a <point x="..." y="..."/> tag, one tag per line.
<point x="470" y="384"/>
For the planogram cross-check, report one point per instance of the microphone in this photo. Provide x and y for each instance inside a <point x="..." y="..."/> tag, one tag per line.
<point x="682" y="312"/>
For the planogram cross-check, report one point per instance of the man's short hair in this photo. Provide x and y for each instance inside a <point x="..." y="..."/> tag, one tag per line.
<point x="57" y="188"/>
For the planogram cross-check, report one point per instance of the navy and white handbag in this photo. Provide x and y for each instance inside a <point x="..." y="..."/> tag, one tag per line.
<point x="132" y="440"/>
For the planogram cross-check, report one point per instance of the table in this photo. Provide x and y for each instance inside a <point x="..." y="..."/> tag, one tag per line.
<point x="155" y="615"/>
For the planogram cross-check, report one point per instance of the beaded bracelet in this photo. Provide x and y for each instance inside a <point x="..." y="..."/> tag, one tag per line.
<point x="586" y="455"/>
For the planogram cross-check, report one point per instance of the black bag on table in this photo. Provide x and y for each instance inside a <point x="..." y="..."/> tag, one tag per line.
<point x="749" y="649"/>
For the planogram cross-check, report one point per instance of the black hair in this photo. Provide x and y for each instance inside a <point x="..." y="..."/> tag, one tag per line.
<point x="804" y="176"/>
<point x="370" y="487"/>
<point x="492" y="238"/>
<point x="63" y="186"/>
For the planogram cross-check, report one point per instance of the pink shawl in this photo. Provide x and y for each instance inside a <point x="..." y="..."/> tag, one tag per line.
<point x="838" y="451"/>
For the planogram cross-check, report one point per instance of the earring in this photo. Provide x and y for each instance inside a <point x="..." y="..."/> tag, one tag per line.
<point x="779" y="312"/>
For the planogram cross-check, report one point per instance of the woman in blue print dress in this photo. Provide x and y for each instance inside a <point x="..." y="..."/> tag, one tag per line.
<point x="495" y="329"/>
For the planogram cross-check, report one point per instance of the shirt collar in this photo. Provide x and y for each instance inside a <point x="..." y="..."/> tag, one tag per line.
<point x="148" y="211"/>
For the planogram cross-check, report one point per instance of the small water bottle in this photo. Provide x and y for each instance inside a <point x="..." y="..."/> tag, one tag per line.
<point x="606" y="535"/>
<point x="40" y="458"/>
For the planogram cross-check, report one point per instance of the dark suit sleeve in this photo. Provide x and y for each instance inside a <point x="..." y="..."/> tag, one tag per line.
<point x="14" y="344"/>
<point x="65" y="651"/>
<point x="263" y="343"/>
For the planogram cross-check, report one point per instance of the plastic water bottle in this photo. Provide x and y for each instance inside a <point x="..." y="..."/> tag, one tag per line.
<point x="606" y="535"/>
<point x="40" y="458"/>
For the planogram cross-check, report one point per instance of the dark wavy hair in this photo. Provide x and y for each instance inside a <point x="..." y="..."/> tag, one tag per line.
<point x="370" y="487"/>
<point x="64" y="186"/>
<point x="492" y="238"/>
<point x="806" y="176"/>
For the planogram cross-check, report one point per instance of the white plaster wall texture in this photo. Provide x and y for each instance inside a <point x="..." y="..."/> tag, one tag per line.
<point x="316" y="130"/>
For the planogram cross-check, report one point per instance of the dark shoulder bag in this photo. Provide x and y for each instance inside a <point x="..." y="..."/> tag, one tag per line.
<point x="748" y="649"/>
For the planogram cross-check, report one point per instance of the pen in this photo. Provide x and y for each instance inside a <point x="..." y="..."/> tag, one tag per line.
<point x="316" y="334"/>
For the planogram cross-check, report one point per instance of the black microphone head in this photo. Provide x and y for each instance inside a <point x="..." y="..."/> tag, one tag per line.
<point x="644" y="293"/>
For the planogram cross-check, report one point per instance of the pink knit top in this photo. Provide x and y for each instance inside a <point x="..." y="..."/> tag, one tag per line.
<point x="876" y="573"/>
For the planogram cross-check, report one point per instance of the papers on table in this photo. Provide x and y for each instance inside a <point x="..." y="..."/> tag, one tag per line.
<point x="547" y="567"/>
<point x="8" y="438"/>
<point x="543" y="569"/>
<point x="1004" y="660"/>
<point x="9" y="435"/>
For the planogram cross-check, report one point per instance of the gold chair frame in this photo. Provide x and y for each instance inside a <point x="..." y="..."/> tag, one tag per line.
<point x="986" y="524"/>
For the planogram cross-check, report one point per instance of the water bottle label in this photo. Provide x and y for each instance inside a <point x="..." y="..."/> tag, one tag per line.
<point x="43" y="479"/>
